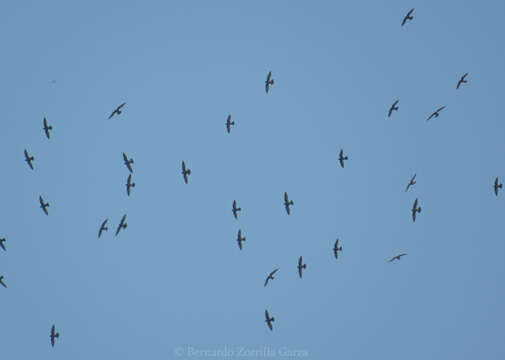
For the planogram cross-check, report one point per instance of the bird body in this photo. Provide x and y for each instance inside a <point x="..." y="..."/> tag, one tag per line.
<point x="128" y="162"/>
<point x="436" y="113"/>
<point x="269" y="81"/>
<point x="47" y="128"/>
<point x="270" y="276"/>
<point x="269" y="320"/>
<point x="301" y="266"/>
<point x="393" y="107"/>
<point x="336" y="249"/>
<point x="229" y="124"/>
<point x="2" y="244"/>
<point x="185" y="172"/>
<point x="342" y="158"/>
<point x="287" y="203"/>
<point x="240" y="239"/>
<point x="122" y="225"/>
<point x="415" y="209"/>
<point x="29" y="159"/>
<point x="2" y="282"/>
<point x="497" y="186"/>
<point x="411" y="182"/>
<point x="235" y="209"/>
<point x="118" y="110"/>
<point x="129" y="184"/>
<point x="43" y="205"/>
<point x="54" y="335"/>
<point x="408" y="16"/>
<point x="103" y="228"/>
<point x="462" y="80"/>
<point x="397" y="257"/>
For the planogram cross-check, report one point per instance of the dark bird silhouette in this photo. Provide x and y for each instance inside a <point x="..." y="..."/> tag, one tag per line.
<point x="301" y="266"/>
<point x="54" y="335"/>
<point x="2" y="244"/>
<point x="229" y="123"/>
<point x="336" y="249"/>
<point x="122" y="225"/>
<point x="43" y="205"/>
<point x="270" y="276"/>
<point x="341" y="157"/>
<point x="397" y="257"/>
<point x="117" y="110"/>
<point x="269" y="320"/>
<point x="462" y="81"/>
<point x="412" y="182"/>
<point x="2" y="282"/>
<point x="185" y="172"/>
<point x="269" y="81"/>
<point x="240" y="239"/>
<point x="129" y="184"/>
<point x="235" y="209"/>
<point x="393" y="107"/>
<point x="415" y="210"/>
<point x="103" y="228"/>
<point x="128" y="162"/>
<point x="47" y="128"/>
<point x="287" y="203"/>
<point x="497" y="186"/>
<point x="436" y="113"/>
<point x="29" y="159"/>
<point x="408" y="16"/>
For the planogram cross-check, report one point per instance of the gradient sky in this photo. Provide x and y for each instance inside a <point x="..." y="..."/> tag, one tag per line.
<point x="174" y="284"/>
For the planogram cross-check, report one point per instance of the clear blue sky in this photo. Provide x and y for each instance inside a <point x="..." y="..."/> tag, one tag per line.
<point x="175" y="280"/>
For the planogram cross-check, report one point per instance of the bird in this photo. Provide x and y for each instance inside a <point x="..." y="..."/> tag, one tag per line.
<point x="54" y="334"/>
<point x="2" y="282"/>
<point x="270" y="276"/>
<point x="122" y="225"/>
<point x="128" y="162"/>
<point x="336" y="249"/>
<point x="287" y="203"/>
<point x="47" y="128"/>
<point x="415" y="210"/>
<point x="269" y="81"/>
<point x="411" y="182"/>
<point x="301" y="266"/>
<point x="269" y="320"/>
<point x="341" y="157"/>
<point x="229" y="123"/>
<point x="462" y="81"/>
<point x="117" y="110"/>
<point x="129" y="184"/>
<point x="235" y="209"/>
<point x="103" y="228"/>
<point x="497" y="186"/>
<point x="185" y="172"/>
<point x="397" y="257"/>
<point x="43" y="205"/>
<point x="2" y="244"/>
<point x="408" y="16"/>
<point x="436" y="113"/>
<point x="393" y="107"/>
<point x="240" y="239"/>
<point x="29" y="159"/>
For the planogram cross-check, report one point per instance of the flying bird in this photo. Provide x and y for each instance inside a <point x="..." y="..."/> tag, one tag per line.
<point x="415" y="210"/>
<point x="47" y="128"/>
<point x="287" y="203"/>
<point x="397" y="257"/>
<point x="185" y="172"/>
<point x="128" y="162"/>
<point x="393" y="107"/>
<point x="269" y="81"/>
<point x="129" y="184"/>
<point x="341" y="157"/>
<point x="240" y="239"/>
<point x="497" y="186"/>
<point x="301" y="266"/>
<point x="29" y="159"/>
<point x="117" y="110"/>
<point x="103" y="228"/>
<point x="411" y="182"/>
<point x="235" y="209"/>
<point x="462" y="81"/>
<point x="269" y="319"/>
<point x="2" y="282"/>
<point x="408" y="16"/>
<point x="436" y="113"/>
<point x="122" y="225"/>
<point x="229" y="123"/>
<point x="43" y="205"/>
<point x="336" y="249"/>
<point x="270" y="276"/>
<point x="54" y="334"/>
<point x="2" y="244"/>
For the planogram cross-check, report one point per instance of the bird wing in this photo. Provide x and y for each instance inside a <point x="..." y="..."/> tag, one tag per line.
<point x="286" y="199"/>
<point x="266" y="281"/>
<point x="431" y="116"/>
<point x="269" y="76"/>
<point x="440" y="109"/>
<point x="120" y="106"/>
<point x="496" y="186"/>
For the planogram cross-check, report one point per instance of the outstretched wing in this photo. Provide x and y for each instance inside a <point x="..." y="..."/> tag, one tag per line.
<point x="496" y="186"/>
<point x="440" y="109"/>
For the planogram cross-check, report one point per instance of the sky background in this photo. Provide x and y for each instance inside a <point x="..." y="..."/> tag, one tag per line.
<point x="175" y="282"/>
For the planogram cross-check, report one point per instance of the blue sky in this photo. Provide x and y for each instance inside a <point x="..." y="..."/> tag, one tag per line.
<point x="174" y="282"/>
